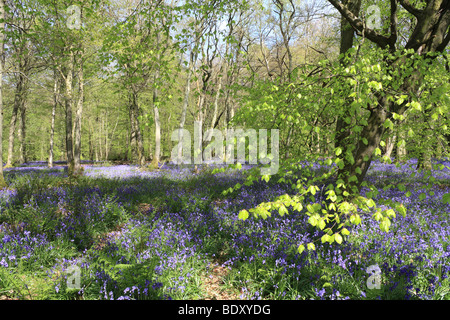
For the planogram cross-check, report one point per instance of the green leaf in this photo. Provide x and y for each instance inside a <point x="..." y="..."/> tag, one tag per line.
<point x="377" y="152"/>
<point x="355" y="219"/>
<point x="370" y="203"/>
<point x="338" y="238"/>
<point x="389" y="124"/>
<point x="385" y="224"/>
<point x="325" y="238"/>
<point x="311" y="246"/>
<point x="378" y="215"/>
<point x="313" y="220"/>
<point x="282" y="210"/>
<point x="332" y="195"/>
<point x="243" y="215"/>
<point x="375" y="85"/>
<point x="321" y="224"/>
<point x="390" y="213"/>
<point x="301" y="248"/>
<point x="416" y="105"/>
<point x="313" y="189"/>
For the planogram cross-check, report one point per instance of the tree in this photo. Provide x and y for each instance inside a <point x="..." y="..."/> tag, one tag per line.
<point x="2" y="50"/>
<point x="430" y="35"/>
<point x="380" y="81"/>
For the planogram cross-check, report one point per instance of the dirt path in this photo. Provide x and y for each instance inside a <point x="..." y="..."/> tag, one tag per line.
<point x="214" y="285"/>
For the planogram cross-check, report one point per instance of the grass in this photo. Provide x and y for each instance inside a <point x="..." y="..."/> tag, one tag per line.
<point x="171" y="234"/>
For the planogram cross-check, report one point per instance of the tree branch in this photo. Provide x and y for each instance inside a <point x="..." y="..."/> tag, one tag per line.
<point x="394" y="23"/>
<point x="410" y="8"/>
<point x="359" y="25"/>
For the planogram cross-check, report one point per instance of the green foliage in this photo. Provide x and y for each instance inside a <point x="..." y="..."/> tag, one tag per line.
<point x="348" y="92"/>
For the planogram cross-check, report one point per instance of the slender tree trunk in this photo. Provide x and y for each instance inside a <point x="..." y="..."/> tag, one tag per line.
<point x="12" y="129"/>
<point x="133" y="143"/>
<point x="2" y="46"/>
<point x="18" y="98"/>
<point x="128" y="138"/>
<point x="187" y="90"/>
<point x="390" y="145"/>
<point x="169" y="133"/>
<point x="288" y="141"/>
<point x="22" y="133"/>
<point x="77" y="145"/>
<point x="52" y="127"/>
<point x="401" y="145"/>
<point x="100" y="139"/>
<point x="106" y="135"/>
<point x="157" y="155"/>
<point x="136" y="130"/>
<point x="68" y="97"/>
<point x="91" y="145"/>
<point x="216" y="103"/>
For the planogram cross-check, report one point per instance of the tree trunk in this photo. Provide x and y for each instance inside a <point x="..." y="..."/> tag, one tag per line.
<point x="187" y="90"/>
<point x="429" y="35"/>
<point x="362" y="154"/>
<point x="390" y="145"/>
<point x="22" y="134"/>
<point x="401" y="145"/>
<point x="68" y="97"/>
<point x="77" y="145"/>
<point x="52" y="127"/>
<point x="106" y="135"/>
<point x="157" y="155"/>
<point x="18" y="100"/>
<point x="91" y="145"/>
<point x="136" y="130"/>
<point x="2" y="46"/>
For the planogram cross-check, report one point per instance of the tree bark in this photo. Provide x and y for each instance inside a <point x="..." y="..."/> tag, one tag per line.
<point x="2" y="46"/>
<point x="136" y="130"/>
<point x="187" y="90"/>
<point x="157" y="155"/>
<point x="77" y="145"/>
<point x="22" y="133"/>
<point x="12" y="124"/>
<point x="390" y="145"/>
<point x="52" y="126"/>
<point x="68" y="99"/>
